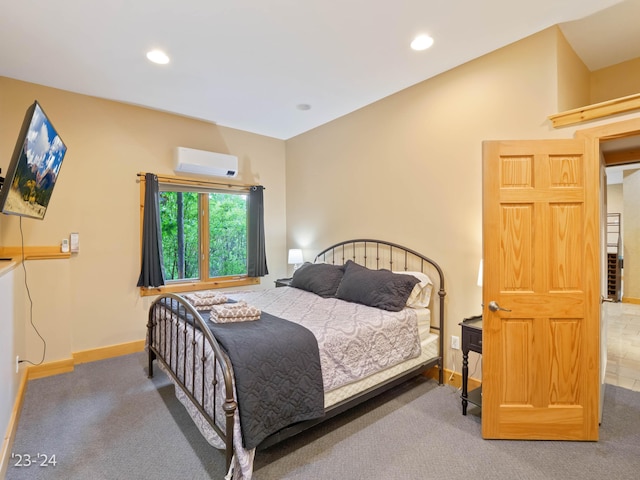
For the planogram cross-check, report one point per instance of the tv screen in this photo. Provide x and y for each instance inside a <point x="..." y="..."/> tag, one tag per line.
<point x="34" y="167"/>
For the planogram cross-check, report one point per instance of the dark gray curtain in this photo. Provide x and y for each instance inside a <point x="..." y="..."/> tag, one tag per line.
<point x="152" y="271"/>
<point x="256" y="256"/>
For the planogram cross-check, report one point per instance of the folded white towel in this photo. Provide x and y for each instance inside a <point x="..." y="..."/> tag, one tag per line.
<point x="234" y="312"/>
<point x="205" y="298"/>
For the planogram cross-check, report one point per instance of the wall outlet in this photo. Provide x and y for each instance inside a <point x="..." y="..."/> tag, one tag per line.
<point x="455" y="342"/>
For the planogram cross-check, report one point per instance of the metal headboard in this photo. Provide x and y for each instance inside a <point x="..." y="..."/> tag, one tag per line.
<point x="380" y="254"/>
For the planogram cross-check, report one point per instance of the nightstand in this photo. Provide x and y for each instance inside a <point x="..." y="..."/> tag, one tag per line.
<point x="283" y="282"/>
<point x="471" y="342"/>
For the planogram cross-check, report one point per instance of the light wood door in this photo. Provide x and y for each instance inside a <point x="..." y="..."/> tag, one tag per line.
<point x="541" y="262"/>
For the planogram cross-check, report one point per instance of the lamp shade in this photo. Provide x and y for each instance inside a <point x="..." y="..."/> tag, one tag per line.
<point x="295" y="256"/>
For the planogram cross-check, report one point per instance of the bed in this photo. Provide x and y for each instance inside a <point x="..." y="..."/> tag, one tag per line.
<point x="364" y="317"/>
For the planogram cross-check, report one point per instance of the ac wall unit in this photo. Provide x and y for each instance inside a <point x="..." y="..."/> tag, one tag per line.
<point x="201" y="162"/>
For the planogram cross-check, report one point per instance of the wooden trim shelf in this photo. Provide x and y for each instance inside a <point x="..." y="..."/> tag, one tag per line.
<point x="33" y="253"/>
<point x="195" y="286"/>
<point x="595" y="111"/>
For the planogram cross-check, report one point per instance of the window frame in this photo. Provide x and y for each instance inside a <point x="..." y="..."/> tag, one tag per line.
<point x="206" y="283"/>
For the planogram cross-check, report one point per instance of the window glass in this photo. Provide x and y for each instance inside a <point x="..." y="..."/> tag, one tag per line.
<point x="190" y="219"/>
<point x="227" y="234"/>
<point x="180" y="235"/>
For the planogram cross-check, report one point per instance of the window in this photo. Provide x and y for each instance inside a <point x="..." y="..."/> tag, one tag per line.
<point x="204" y="235"/>
<point x="191" y="219"/>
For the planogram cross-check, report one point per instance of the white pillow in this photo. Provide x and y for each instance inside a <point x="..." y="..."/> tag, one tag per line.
<point x="421" y="294"/>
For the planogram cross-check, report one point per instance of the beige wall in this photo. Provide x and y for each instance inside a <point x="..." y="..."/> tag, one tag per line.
<point x="408" y="168"/>
<point x="573" y="78"/>
<point x="631" y="221"/>
<point x="91" y="300"/>
<point x="615" y="81"/>
<point x="615" y="201"/>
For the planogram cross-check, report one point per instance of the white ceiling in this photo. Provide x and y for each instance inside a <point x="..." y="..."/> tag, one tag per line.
<point x="247" y="64"/>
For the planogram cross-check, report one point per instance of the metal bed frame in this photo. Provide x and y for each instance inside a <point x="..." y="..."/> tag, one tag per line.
<point x="166" y="333"/>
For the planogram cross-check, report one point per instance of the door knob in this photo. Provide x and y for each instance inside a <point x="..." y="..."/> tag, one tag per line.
<point x="494" y="307"/>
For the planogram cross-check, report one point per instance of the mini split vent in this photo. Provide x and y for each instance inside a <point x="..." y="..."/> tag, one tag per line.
<point x="200" y="162"/>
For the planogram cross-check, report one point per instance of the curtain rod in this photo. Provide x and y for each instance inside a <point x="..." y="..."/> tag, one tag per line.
<point x="193" y="181"/>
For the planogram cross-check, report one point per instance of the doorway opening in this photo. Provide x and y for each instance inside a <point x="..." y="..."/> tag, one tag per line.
<point x="622" y="160"/>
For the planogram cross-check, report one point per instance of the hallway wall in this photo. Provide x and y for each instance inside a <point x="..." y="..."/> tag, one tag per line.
<point x="631" y="220"/>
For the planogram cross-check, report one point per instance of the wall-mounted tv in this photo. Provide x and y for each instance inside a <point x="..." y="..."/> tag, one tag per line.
<point x="34" y="167"/>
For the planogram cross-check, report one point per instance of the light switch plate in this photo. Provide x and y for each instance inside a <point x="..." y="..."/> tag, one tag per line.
<point x="75" y="242"/>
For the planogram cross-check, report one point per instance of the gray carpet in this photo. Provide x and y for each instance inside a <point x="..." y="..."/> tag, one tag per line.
<point x="106" y="420"/>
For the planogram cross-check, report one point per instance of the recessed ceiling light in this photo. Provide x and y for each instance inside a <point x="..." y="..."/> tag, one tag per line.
<point x="421" y="42"/>
<point x="303" y="106"/>
<point x="158" y="56"/>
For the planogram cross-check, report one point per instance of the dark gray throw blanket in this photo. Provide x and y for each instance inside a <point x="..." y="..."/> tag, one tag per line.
<point x="277" y="371"/>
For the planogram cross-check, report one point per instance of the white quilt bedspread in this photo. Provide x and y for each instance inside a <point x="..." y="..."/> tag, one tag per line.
<point x="355" y="341"/>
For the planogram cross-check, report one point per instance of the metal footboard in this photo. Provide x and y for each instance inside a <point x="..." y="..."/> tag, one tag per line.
<point x="172" y="342"/>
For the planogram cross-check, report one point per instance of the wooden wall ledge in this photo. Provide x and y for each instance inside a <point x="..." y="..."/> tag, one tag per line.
<point x="33" y="253"/>
<point x="595" y="111"/>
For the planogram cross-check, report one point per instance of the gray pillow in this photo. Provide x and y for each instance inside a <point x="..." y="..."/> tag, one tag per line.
<point x="319" y="278"/>
<point x="375" y="288"/>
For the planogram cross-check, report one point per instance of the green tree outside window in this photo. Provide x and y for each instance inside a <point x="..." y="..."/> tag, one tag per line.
<point x="191" y="219"/>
